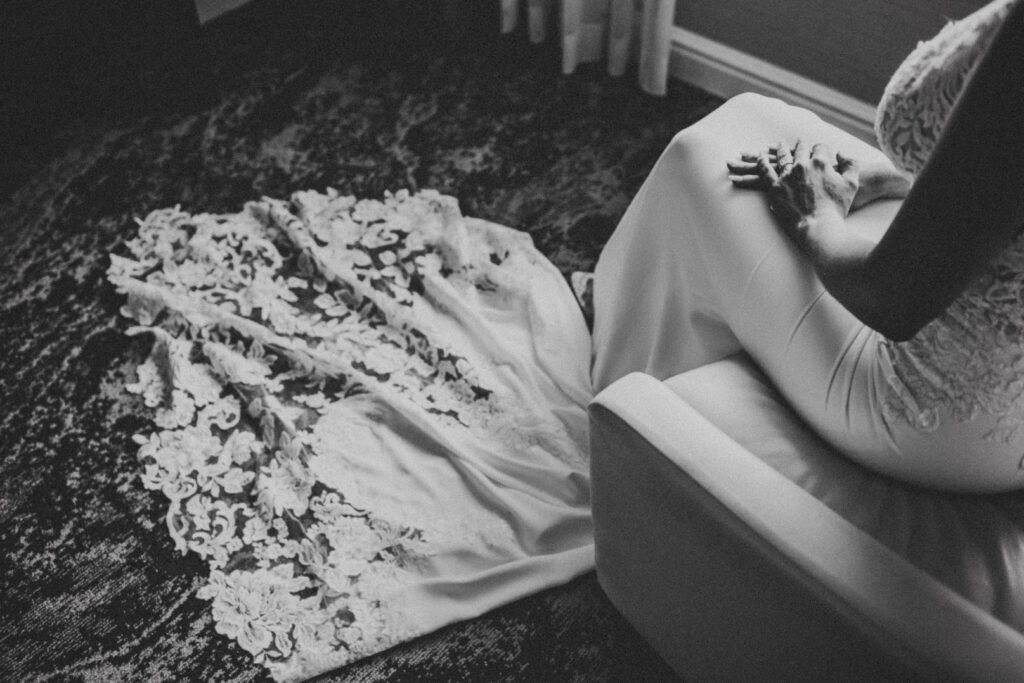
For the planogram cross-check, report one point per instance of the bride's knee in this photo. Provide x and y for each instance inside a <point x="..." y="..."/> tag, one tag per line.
<point x="728" y="124"/>
<point x="752" y="103"/>
<point x="688" y="142"/>
<point x="736" y="109"/>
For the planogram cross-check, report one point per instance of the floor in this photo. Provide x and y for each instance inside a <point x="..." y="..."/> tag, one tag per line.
<point x="275" y="97"/>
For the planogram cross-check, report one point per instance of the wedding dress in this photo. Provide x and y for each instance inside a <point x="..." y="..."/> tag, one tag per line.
<point x="698" y="270"/>
<point x="371" y="417"/>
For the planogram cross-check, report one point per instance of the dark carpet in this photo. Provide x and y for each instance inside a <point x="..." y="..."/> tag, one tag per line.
<point x="273" y="98"/>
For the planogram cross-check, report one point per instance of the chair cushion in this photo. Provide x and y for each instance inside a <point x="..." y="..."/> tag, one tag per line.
<point x="974" y="544"/>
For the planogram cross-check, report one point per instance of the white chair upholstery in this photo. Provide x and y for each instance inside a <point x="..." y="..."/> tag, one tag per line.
<point x="745" y="549"/>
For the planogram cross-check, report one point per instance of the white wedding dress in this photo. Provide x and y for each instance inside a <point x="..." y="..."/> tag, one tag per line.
<point x="698" y="270"/>
<point x="371" y="417"/>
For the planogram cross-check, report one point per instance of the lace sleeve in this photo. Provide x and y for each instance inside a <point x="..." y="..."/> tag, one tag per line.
<point x="921" y="93"/>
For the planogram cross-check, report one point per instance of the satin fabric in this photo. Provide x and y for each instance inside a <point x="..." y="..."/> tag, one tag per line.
<point x="697" y="270"/>
<point x="526" y="512"/>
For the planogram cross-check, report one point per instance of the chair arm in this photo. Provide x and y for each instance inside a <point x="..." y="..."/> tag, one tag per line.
<point x="734" y="572"/>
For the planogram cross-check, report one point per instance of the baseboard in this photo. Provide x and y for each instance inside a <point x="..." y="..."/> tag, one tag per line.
<point x="211" y="9"/>
<point x="726" y="71"/>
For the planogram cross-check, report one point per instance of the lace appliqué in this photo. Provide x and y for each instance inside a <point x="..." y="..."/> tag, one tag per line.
<point x="969" y="361"/>
<point x="921" y="93"/>
<point x="279" y="333"/>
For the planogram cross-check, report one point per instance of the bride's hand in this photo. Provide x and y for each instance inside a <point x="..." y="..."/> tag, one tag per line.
<point x="878" y="178"/>
<point x="805" y="184"/>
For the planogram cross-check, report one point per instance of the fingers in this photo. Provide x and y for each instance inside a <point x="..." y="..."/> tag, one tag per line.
<point x="744" y="173"/>
<point x="822" y="156"/>
<point x="742" y="167"/>
<point x="754" y="171"/>
<point x="797" y="179"/>
<point x="767" y="168"/>
<point x="773" y="154"/>
<point x="779" y="156"/>
<point x="752" y="157"/>
<point x="748" y="182"/>
<point x="801" y="153"/>
<point x="847" y="167"/>
<point x="785" y="157"/>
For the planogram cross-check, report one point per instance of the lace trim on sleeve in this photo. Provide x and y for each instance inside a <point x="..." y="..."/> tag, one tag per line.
<point x="921" y="93"/>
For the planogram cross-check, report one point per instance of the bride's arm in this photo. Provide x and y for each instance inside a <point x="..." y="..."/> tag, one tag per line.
<point x="966" y="205"/>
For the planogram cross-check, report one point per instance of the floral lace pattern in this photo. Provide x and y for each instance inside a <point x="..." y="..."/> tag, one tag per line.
<point x="921" y="93"/>
<point x="280" y="332"/>
<point x="969" y="361"/>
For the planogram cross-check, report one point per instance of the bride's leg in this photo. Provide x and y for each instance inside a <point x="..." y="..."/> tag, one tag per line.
<point x="698" y="270"/>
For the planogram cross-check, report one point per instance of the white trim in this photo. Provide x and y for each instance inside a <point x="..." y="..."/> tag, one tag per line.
<point x="211" y="9"/>
<point x="726" y="71"/>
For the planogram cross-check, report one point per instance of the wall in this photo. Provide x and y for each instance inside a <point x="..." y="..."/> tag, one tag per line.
<point x="63" y="61"/>
<point x="849" y="45"/>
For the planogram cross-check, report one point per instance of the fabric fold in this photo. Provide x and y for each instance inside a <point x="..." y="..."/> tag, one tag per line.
<point x="370" y="417"/>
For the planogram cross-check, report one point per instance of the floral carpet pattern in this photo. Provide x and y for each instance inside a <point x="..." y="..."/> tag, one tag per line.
<point x="91" y="584"/>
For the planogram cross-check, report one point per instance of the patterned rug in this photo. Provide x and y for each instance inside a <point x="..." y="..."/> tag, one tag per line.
<point x="91" y="585"/>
